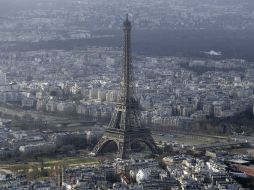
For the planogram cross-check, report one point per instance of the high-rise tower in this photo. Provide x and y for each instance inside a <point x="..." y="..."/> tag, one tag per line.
<point x="125" y="127"/>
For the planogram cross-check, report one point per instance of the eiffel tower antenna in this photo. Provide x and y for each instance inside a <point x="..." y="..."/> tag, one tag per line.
<point x="125" y="127"/>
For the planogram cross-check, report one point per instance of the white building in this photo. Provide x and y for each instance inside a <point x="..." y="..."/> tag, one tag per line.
<point x="2" y="78"/>
<point x="40" y="148"/>
<point x="28" y="102"/>
<point x="66" y="107"/>
<point x="101" y="95"/>
<point x="93" y="94"/>
<point x="143" y="175"/>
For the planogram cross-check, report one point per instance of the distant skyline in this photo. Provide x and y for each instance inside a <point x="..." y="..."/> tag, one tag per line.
<point x="163" y="27"/>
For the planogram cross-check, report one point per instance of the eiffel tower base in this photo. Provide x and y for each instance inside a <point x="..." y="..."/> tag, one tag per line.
<point x="124" y="141"/>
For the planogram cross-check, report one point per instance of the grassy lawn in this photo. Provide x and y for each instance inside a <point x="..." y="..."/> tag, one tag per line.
<point x="49" y="162"/>
<point x="68" y="161"/>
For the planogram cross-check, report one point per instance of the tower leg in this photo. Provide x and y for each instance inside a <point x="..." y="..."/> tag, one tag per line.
<point x="124" y="144"/>
<point x="121" y="150"/>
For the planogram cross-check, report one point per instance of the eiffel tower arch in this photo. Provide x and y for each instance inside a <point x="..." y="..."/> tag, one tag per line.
<point x="125" y="127"/>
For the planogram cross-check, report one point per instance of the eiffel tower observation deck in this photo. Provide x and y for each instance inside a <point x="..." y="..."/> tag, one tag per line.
<point x="125" y="127"/>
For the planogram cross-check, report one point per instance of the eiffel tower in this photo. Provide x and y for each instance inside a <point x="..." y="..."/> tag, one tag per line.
<point x="125" y="127"/>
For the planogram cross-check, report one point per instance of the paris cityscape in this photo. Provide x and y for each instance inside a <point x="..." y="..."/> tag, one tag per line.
<point x="118" y="95"/>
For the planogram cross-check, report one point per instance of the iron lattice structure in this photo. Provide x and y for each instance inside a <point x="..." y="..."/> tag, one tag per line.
<point x="125" y="127"/>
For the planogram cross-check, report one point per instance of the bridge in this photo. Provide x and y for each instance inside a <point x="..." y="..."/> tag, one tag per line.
<point x="59" y="122"/>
